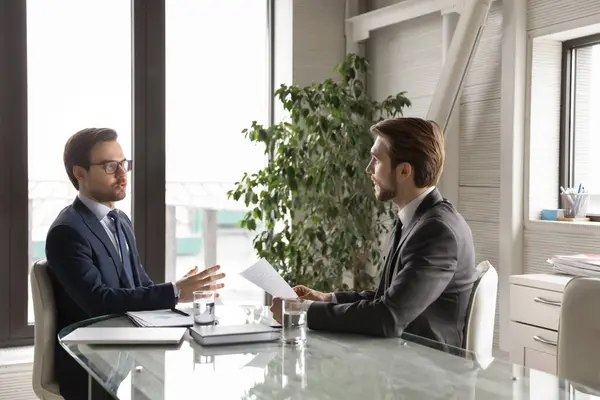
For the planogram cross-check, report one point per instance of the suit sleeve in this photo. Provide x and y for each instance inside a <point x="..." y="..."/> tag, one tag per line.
<point x="70" y="258"/>
<point x="429" y="262"/>
<point x="352" y="296"/>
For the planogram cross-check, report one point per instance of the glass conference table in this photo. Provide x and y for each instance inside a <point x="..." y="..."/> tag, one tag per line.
<point x="328" y="366"/>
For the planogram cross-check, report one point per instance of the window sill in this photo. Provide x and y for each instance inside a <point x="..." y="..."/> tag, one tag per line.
<point x="581" y="227"/>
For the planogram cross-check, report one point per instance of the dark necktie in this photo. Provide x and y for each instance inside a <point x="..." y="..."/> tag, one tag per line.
<point x="396" y="235"/>
<point x="127" y="267"/>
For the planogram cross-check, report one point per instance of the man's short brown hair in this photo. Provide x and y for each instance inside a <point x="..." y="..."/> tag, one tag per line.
<point x="79" y="148"/>
<point x="416" y="141"/>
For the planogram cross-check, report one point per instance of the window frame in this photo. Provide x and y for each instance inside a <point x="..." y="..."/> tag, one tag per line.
<point x="14" y="200"/>
<point x="568" y="108"/>
<point x="148" y="131"/>
<point x="148" y="136"/>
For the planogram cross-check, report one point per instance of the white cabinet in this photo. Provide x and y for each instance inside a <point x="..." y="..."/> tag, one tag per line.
<point x="535" y="302"/>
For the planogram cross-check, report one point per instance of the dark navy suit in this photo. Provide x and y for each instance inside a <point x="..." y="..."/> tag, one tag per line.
<point x="89" y="280"/>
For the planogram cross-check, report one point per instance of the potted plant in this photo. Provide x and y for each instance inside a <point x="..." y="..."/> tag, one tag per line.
<point x="313" y="203"/>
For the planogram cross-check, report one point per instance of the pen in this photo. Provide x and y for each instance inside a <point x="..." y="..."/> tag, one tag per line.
<point x="180" y="312"/>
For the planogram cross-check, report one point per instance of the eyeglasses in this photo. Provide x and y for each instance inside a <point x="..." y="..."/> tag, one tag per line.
<point x="110" y="167"/>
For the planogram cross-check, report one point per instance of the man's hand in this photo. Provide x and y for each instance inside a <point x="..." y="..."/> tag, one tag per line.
<point x="193" y="281"/>
<point x="310" y="294"/>
<point x="276" y="309"/>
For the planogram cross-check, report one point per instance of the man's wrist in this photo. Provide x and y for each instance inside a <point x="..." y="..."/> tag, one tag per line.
<point x="332" y="298"/>
<point x="176" y="290"/>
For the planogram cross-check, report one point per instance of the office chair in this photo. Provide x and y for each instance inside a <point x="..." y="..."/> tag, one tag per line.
<point x="578" y="333"/>
<point x="44" y="384"/>
<point x="479" y="325"/>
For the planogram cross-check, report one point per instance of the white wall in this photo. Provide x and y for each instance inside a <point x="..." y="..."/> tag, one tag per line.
<point x="310" y="40"/>
<point x="544" y="132"/>
<point x="406" y="57"/>
<point x="543" y="239"/>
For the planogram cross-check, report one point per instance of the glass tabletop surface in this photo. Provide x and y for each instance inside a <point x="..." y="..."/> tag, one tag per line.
<point x="328" y="366"/>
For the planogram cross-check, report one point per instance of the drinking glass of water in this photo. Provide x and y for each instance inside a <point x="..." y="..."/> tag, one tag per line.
<point x="293" y="321"/>
<point x="204" y="307"/>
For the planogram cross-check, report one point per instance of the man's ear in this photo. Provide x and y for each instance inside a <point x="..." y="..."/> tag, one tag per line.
<point x="404" y="169"/>
<point x="79" y="172"/>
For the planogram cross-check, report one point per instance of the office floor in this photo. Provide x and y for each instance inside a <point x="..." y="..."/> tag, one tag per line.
<point x="15" y="382"/>
<point x="15" y="373"/>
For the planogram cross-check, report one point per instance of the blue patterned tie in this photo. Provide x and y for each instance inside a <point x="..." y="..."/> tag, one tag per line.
<point x="114" y="215"/>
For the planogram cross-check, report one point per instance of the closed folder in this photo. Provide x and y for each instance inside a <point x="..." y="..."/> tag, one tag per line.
<point x="232" y="334"/>
<point x="122" y="335"/>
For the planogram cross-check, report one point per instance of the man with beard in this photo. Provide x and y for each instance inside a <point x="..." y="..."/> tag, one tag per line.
<point x="91" y="250"/>
<point x="429" y="269"/>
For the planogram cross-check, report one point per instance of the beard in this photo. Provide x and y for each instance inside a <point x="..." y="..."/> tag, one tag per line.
<point x="384" y="192"/>
<point x="108" y="196"/>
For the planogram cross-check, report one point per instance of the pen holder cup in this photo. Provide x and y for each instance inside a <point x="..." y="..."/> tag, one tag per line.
<point x="575" y="205"/>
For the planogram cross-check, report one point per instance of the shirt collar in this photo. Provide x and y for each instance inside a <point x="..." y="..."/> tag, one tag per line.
<point x="99" y="209"/>
<point x="407" y="213"/>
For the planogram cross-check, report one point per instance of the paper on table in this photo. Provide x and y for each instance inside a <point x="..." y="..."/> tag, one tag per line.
<point x="263" y="275"/>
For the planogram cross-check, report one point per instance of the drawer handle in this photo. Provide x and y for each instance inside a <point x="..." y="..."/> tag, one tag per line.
<point x="542" y="340"/>
<point x="544" y="301"/>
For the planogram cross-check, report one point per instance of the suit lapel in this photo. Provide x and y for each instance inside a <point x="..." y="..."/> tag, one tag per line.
<point x="97" y="229"/>
<point x="431" y="200"/>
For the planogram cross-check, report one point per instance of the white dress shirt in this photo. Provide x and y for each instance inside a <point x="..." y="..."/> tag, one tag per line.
<point x="405" y="214"/>
<point x="101" y="212"/>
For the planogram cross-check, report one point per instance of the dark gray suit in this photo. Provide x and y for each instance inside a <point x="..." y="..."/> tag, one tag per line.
<point x="425" y="286"/>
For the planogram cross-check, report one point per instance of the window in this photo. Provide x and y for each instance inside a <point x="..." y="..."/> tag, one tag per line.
<point x="63" y="67"/>
<point x="79" y="75"/>
<point x="580" y="125"/>
<point x="217" y="69"/>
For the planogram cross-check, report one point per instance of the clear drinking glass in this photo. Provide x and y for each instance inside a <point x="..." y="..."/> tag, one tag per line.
<point x="204" y="307"/>
<point x="293" y="321"/>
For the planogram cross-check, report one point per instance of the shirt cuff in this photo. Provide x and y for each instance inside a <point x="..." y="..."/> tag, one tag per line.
<point x="175" y="291"/>
<point x="333" y="298"/>
<point x="306" y="305"/>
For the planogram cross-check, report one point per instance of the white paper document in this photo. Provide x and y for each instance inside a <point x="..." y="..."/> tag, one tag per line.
<point x="263" y="275"/>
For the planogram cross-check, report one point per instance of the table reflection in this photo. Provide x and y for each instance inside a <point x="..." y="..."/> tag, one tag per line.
<point x="327" y="366"/>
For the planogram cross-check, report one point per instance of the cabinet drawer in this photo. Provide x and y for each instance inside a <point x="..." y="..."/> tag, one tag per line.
<point x="541" y="361"/>
<point x="535" y="338"/>
<point x="534" y="306"/>
<point x="533" y="347"/>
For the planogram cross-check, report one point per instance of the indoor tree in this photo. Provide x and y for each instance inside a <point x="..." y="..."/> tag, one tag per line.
<point x="313" y="203"/>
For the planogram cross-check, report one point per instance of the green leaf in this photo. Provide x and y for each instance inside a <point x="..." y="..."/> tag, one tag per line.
<point x="315" y="206"/>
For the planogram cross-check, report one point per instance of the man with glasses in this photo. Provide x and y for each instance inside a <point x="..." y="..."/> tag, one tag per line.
<point x="94" y="263"/>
